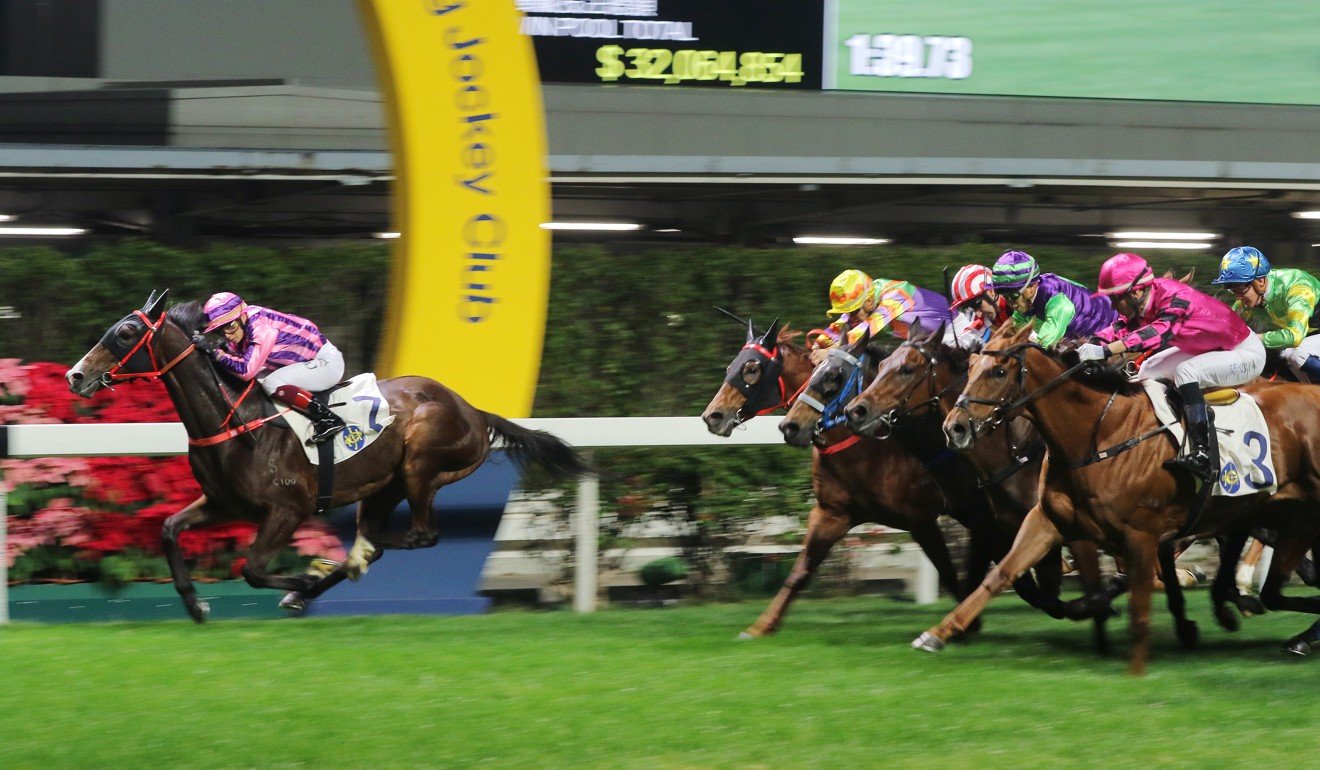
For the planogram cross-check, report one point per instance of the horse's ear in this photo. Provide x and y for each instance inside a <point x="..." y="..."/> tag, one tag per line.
<point x="1187" y="279"/>
<point x="771" y="337"/>
<point x="154" y="302"/>
<point x="1021" y="333"/>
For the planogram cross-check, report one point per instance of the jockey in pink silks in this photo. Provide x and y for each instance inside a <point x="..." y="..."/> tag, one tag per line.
<point x="293" y="355"/>
<point x="1193" y="339"/>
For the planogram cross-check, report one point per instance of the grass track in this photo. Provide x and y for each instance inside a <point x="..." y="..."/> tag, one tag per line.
<point x="648" y="689"/>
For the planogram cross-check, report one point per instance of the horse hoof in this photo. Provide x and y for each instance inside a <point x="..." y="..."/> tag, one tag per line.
<point x="928" y="642"/>
<point x="1249" y="606"/>
<point x="199" y="610"/>
<point x="1227" y="620"/>
<point x="1189" y="635"/>
<point x="1297" y="646"/>
<point x="1306" y="571"/>
<point x="293" y="602"/>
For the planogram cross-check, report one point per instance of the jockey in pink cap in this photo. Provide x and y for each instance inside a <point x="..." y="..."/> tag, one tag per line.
<point x="1194" y="340"/>
<point x="292" y="354"/>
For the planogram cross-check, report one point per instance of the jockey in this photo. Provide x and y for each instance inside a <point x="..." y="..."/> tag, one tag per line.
<point x="291" y="352"/>
<point x="1195" y="340"/>
<point x="1287" y="295"/>
<point x="977" y="309"/>
<point x="1058" y="308"/>
<point x="880" y="305"/>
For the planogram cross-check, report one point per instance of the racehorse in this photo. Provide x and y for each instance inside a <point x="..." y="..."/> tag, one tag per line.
<point x="856" y="480"/>
<point x="1121" y="496"/>
<point x="836" y="382"/>
<point x="436" y="438"/>
<point x="914" y="388"/>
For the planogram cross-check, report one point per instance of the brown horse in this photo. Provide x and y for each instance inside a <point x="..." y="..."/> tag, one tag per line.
<point x="436" y="438"/>
<point x="1105" y="480"/>
<point x="824" y="401"/>
<point x="856" y="480"/>
<point x="914" y="388"/>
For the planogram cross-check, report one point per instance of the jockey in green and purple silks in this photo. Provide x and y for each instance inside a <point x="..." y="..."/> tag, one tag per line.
<point x="1058" y="308"/>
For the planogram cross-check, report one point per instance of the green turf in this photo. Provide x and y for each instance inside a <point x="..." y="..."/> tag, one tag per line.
<point x="665" y="688"/>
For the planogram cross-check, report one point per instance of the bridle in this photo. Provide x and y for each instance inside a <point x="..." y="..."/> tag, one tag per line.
<point x="901" y="412"/>
<point x="1006" y="405"/>
<point x="832" y="413"/>
<point x="758" y="399"/>
<point x="131" y="356"/>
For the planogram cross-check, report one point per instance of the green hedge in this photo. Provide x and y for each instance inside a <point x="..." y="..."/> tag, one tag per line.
<point x="630" y="333"/>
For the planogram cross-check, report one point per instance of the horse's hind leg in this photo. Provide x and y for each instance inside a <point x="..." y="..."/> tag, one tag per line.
<point x="1224" y="588"/>
<point x="824" y="529"/>
<point x="274" y="533"/>
<point x="190" y="516"/>
<point x="1173" y="592"/>
<point x="372" y="519"/>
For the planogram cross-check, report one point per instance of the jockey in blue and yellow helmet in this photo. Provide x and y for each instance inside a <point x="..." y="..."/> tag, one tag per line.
<point x="1281" y="300"/>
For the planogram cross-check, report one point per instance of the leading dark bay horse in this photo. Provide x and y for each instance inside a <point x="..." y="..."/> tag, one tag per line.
<point x="848" y="371"/>
<point x="252" y="470"/>
<point x="1105" y="479"/>
<point x="914" y="388"/>
<point x="856" y="480"/>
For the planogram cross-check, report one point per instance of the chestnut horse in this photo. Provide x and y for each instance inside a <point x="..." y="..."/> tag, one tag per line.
<point x="856" y="480"/>
<point x="436" y="439"/>
<point x="1104" y="479"/>
<point x="834" y="383"/>
<point x="914" y="388"/>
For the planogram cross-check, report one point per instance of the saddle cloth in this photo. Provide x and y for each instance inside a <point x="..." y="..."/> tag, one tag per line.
<point x="1246" y="462"/>
<point x="365" y="413"/>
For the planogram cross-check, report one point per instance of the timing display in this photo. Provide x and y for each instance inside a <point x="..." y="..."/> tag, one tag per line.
<point x="909" y="56"/>
<point x="672" y="67"/>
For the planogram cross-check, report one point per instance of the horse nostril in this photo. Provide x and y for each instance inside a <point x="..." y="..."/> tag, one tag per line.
<point x="789" y="429"/>
<point x="714" y="418"/>
<point x="74" y="377"/>
<point x="857" y="413"/>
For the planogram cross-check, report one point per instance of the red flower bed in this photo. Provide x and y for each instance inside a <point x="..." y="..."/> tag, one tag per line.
<point x="69" y="513"/>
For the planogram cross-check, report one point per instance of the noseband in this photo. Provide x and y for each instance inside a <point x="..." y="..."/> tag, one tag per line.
<point x="831" y="414"/>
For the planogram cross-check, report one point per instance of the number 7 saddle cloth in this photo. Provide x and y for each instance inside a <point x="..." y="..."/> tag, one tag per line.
<point x="363" y="408"/>
<point x="1246" y="462"/>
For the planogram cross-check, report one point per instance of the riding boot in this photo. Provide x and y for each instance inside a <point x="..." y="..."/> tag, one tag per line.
<point x="325" y="423"/>
<point x="1201" y="459"/>
<point x="1310" y="370"/>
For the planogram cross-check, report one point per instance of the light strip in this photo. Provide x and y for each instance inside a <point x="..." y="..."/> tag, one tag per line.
<point x="1184" y="245"/>
<point x="386" y="236"/>
<point x="1315" y="214"/>
<point x="837" y="240"/>
<point x="5" y="217"/>
<point x="1156" y="235"/>
<point x="42" y="230"/>
<point x="600" y="226"/>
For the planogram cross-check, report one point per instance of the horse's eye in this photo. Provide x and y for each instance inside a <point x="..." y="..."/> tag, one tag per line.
<point x="126" y="332"/>
<point x="751" y="372"/>
<point x="1000" y="371"/>
<point x="906" y="369"/>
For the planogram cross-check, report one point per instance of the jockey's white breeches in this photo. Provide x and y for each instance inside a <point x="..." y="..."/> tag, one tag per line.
<point x="315" y="375"/>
<point x="1215" y="369"/>
<point x="1295" y="357"/>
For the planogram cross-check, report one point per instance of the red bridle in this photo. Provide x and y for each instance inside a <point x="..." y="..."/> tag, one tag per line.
<point x="112" y="374"/>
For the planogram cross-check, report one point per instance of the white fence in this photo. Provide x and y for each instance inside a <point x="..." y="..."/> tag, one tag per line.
<point x="159" y="439"/>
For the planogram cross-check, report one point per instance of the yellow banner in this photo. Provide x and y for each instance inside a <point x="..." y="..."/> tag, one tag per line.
<point x="471" y="273"/>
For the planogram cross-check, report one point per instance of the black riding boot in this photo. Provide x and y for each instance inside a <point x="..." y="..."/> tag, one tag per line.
<point x="325" y="423"/>
<point x="1202" y="458"/>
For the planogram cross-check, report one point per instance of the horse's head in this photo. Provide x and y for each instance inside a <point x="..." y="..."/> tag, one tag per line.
<point x="126" y="348"/>
<point x="995" y="378"/>
<point x="904" y="384"/>
<point x="819" y="406"/>
<point x="751" y="384"/>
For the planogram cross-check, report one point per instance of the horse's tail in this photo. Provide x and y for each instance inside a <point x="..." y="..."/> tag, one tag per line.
<point x="546" y="450"/>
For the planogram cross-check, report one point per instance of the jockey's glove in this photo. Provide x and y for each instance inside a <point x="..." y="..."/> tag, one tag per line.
<point x="205" y="343"/>
<point x="1092" y="352"/>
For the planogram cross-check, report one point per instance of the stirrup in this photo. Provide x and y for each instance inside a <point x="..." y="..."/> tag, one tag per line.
<point x="1199" y="470"/>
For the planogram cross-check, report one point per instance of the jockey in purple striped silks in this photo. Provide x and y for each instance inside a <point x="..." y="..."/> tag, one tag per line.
<point x="293" y="355"/>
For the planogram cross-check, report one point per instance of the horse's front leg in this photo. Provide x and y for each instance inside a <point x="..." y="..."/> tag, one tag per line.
<point x="1224" y="589"/>
<point x="824" y="529"/>
<point x="195" y="513"/>
<point x="1141" y="557"/>
<point x="1036" y="538"/>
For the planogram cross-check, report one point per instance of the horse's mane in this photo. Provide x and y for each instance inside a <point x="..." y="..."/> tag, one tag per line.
<point x="188" y="315"/>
